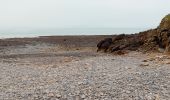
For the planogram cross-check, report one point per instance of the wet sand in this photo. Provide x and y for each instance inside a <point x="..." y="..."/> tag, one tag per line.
<point x="69" y="68"/>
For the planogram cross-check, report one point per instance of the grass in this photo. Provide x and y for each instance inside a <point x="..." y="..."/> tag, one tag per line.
<point x="168" y="16"/>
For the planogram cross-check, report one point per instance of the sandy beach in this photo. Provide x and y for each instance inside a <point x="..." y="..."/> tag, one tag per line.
<point x="69" y="68"/>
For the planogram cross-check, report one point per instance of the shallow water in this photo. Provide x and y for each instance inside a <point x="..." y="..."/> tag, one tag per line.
<point x="67" y="31"/>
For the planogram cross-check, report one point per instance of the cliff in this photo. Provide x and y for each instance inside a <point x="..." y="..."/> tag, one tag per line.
<point x="157" y="39"/>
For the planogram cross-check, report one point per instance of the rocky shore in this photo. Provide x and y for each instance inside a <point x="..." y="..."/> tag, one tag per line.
<point x="70" y="68"/>
<point x="60" y="68"/>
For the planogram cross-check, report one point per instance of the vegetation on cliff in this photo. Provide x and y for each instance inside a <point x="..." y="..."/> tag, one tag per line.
<point x="165" y="23"/>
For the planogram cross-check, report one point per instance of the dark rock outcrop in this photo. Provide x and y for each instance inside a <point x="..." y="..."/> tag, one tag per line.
<point x="160" y="36"/>
<point x="104" y="44"/>
<point x="119" y="37"/>
<point x="157" y="39"/>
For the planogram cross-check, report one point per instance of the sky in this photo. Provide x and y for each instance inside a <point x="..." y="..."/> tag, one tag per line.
<point x="32" y="14"/>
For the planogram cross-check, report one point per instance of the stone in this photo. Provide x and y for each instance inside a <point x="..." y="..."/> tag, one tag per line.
<point x="50" y="94"/>
<point x="79" y="83"/>
<point x="77" y="92"/>
<point x="101" y="93"/>
<point x="83" y="96"/>
<point x="143" y="65"/>
<point x="58" y="95"/>
<point x="157" y="97"/>
<point x="144" y="61"/>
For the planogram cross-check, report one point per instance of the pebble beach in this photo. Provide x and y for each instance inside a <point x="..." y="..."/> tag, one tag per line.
<point x="69" y="68"/>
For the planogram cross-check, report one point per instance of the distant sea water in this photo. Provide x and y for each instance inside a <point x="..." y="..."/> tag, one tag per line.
<point x="68" y="31"/>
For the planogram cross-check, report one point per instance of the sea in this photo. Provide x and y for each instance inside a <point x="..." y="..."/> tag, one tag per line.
<point x="20" y="33"/>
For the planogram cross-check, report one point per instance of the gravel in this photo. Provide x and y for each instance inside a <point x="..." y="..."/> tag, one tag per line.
<point x="92" y="77"/>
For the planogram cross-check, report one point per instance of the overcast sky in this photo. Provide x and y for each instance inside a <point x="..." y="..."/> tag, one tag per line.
<point x="82" y="13"/>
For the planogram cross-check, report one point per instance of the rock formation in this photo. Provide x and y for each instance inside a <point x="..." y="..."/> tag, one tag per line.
<point x="157" y="39"/>
<point x="160" y="36"/>
<point x="104" y="44"/>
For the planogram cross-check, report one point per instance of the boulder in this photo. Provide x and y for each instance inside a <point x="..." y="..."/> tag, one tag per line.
<point x="104" y="44"/>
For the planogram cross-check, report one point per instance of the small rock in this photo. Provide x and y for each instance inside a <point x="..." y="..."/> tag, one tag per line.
<point x="58" y="95"/>
<point x="144" y="61"/>
<point x="87" y="64"/>
<point x="83" y="96"/>
<point x="150" y="96"/>
<point x="143" y="65"/>
<point x="167" y="62"/>
<point x="101" y="94"/>
<point x="128" y="92"/>
<point x="104" y="74"/>
<point x="77" y="98"/>
<point x="157" y="97"/>
<point x="151" y="59"/>
<point x="72" y="87"/>
<point x="77" y="92"/>
<point x="79" y="83"/>
<point x="51" y="95"/>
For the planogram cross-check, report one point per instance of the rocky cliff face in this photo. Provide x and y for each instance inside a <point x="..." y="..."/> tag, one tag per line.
<point x="165" y="23"/>
<point x="159" y="38"/>
<point x="152" y="40"/>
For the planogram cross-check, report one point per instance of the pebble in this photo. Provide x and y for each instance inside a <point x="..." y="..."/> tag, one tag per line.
<point x="144" y="61"/>
<point x="79" y="83"/>
<point x="58" y="95"/>
<point x="83" y="96"/>
<point x="77" y="92"/>
<point x="143" y="65"/>
<point x="101" y="93"/>
<point x="51" y="95"/>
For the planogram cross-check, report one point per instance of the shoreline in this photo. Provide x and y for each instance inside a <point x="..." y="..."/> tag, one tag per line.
<point x="73" y="31"/>
<point x="53" y="36"/>
<point x="77" y="40"/>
